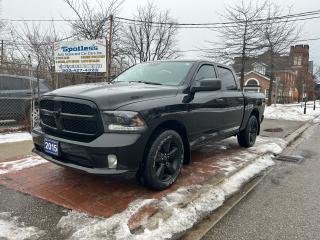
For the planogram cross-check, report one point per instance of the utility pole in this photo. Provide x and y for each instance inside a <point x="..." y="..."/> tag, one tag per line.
<point x="2" y="51"/>
<point x="109" y="60"/>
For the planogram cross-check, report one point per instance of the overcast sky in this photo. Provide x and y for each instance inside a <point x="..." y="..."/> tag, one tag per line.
<point x="184" y="11"/>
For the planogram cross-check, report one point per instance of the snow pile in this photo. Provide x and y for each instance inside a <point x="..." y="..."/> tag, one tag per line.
<point x="15" y="137"/>
<point x="291" y="112"/>
<point x="11" y="229"/>
<point x="268" y="145"/>
<point x="181" y="209"/>
<point x="81" y="226"/>
<point x="18" y="165"/>
<point x="232" y="162"/>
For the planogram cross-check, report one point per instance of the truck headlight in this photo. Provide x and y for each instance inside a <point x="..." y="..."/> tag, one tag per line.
<point x="123" y="121"/>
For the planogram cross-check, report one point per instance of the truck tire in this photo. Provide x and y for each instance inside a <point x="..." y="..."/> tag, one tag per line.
<point x="164" y="160"/>
<point x="247" y="137"/>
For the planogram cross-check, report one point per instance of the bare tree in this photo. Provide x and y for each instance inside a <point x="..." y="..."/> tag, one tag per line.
<point x="151" y="37"/>
<point x="279" y="33"/>
<point x="240" y="36"/>
<point x="34" y="46"/>
<point x="1" y="22"/>
<point x="2" y="42"/>
<point x="92" y="21"/>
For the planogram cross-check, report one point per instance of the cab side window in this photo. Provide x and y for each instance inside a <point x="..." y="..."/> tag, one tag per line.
<point x="13" y="83"/>
<point x="227" y="78"/>
<point x="206" y="71"/>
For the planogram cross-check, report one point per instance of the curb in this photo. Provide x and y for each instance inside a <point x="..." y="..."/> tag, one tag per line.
<point x="200" y="229"/>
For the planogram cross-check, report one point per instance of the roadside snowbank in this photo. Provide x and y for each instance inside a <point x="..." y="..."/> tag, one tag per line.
<point x="291" y="112"/>
<point x="18" y="165"/>
<point x="181" y="209"/>
<point x="11" y="229"/>
<point x="81" y="226"/>
<point x="15" y="137"/>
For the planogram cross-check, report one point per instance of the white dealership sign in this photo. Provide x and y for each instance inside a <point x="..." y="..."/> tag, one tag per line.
<point x="80" y="56"/>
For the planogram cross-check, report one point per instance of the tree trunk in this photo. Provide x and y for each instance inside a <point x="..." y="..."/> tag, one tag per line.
<point x="243" y="56"/>
<point x="271" y="78"/>
<point x="243" y="62"/>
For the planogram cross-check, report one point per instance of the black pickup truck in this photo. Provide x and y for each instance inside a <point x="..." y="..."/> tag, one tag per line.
<point x="147" y="120"/>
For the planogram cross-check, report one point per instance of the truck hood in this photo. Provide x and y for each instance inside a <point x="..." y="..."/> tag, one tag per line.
<point x="112" y="96"/>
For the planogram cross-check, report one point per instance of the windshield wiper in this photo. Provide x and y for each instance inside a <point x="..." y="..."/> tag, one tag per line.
<point x="145" y="82"/>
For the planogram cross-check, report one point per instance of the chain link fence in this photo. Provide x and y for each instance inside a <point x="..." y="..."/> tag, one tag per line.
<point x="20" y="88"/>
<point x="17" y="114"/>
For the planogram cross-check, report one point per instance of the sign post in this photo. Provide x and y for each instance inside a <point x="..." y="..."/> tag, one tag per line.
<point x="110" y="48"/>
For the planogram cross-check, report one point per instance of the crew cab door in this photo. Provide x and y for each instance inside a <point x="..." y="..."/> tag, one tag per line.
<point x="232" y="99"/>
<point x="206" y="116"/>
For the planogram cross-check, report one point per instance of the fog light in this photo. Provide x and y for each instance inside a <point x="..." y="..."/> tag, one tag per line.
<point x="112" y="161"/>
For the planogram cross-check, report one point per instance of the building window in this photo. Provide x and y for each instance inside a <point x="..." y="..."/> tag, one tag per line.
<point x="259" y="69"/>
<point x="252" y="85"/>
<point x="297" y="61"/>
<point x="267" y="93"/>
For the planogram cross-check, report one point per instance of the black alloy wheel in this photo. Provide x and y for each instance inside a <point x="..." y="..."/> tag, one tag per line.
<point x="247" y="137"/>
<point x="168" y="158"/>
<point x="253" y="132"/>
<point x="164" y="160"/>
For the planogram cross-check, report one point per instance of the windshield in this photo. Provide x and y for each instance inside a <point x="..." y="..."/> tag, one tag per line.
<point x="160" y="73"/>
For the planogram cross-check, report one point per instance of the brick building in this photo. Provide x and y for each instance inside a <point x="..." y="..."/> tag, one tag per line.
<point x="292" y="73"/>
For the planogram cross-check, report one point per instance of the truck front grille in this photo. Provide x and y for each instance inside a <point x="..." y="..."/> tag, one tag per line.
<point x="69" y="118"/>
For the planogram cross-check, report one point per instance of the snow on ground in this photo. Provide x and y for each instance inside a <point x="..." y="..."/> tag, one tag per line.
<point x="316" y="120"/>
<point x="13" y="166"/>
<point x="11" y="229"/>
<point x="291" y="112"/>
<point x="267" y="144"/>
<point x="178" y="216"/>
<point x="14" y="137"/>
<point x="81" y="226"/>
<point x="230" y="164"/>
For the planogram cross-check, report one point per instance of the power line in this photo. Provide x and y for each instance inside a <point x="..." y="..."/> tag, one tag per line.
<point x="302" y="14"/>
<point x="24" y="43"/>
<point x="206" y="25"/>
<point x="230" y="26"/>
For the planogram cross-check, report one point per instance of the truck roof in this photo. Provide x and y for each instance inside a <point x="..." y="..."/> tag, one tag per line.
<point x="193" y="60"/>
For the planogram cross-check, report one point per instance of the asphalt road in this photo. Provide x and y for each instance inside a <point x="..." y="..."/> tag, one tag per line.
<point x="284" y="206"/>
<point x="32" y="211"/>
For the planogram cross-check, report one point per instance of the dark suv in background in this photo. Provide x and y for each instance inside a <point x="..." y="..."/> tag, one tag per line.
<point x="16" y="93"/>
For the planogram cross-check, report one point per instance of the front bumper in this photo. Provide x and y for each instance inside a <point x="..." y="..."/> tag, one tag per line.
<point x="92" y="157"/>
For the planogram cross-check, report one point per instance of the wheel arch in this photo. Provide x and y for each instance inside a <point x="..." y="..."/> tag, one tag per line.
<point x="179" y="128"/>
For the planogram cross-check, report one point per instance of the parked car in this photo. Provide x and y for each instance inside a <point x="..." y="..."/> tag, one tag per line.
<point x="15" y="95"/>
<point x="147" y="120"/>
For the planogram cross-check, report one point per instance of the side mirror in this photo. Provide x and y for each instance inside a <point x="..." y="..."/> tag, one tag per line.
<point x="210" y="84"/>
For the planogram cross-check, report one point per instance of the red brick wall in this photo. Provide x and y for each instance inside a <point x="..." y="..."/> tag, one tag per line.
<point x="263" y="83"/>
<point x="286" y="84"/>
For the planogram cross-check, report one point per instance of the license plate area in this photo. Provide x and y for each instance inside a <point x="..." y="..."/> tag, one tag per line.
<point x="51" y="146"/>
